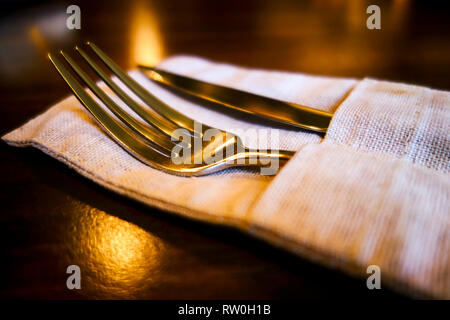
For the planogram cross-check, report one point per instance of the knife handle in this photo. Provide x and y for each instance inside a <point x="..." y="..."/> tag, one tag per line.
<point x="280" y="111"/>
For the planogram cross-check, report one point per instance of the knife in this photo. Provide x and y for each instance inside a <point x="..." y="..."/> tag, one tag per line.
<point x="284" y="112"/>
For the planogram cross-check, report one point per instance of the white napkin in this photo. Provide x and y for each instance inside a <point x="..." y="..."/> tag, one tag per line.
<point x="374" y="191"/>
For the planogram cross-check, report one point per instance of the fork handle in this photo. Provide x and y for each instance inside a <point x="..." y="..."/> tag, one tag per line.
<point x="268" y="161"/>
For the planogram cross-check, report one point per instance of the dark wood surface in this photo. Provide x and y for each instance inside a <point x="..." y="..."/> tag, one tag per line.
<point x="51" y="217"/>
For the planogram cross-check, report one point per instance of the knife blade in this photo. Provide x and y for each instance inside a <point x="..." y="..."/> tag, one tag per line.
<point x="284" y="112"/>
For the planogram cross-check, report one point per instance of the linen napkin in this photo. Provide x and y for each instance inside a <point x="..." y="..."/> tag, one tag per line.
<point x="374" y="191"/>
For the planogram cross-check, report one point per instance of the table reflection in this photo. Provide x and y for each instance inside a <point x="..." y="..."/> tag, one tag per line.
<point x="116" y="257"/>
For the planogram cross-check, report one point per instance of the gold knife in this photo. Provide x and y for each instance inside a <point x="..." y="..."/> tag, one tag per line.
<point x="284" y="112"/>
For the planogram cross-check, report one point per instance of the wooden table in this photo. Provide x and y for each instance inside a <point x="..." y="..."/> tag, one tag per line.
<point x="51" y="217"/>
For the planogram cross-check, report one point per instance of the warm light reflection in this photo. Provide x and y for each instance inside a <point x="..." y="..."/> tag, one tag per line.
<point x="146" y="43"/>
<point x="53" y="26"/>
<point x="356" y="15"/>
<point x="36" y="38"/>
<point x="117" y="258"/>
<point x="50" y="27"/>
<point x="331" y="35"/>
<point x="400" y="14"/>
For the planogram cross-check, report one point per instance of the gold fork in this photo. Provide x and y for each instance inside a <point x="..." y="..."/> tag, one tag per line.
<point x="155" y="143"/>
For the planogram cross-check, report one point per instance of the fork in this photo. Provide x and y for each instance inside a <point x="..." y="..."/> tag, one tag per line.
<point x="154" y="143"/>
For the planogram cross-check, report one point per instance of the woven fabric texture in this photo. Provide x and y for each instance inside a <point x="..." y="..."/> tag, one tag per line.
<point x="374" y="191"/>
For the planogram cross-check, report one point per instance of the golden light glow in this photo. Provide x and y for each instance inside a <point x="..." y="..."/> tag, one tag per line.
<point x="117" y="258"/>
<point x="146" y="43"/>
<point x="356" y="15"/>
<point x="400" y="14"/>
<point x="36" y="38"/>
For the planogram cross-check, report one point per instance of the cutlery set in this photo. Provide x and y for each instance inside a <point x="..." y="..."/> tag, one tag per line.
<point x="157" y="142"/>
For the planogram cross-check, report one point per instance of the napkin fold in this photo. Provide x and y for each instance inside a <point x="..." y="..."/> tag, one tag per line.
<point x="374" y="191"/>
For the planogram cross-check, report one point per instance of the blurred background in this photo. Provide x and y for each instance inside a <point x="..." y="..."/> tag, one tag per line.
<point x="51" y="216"/>
<point x="326" y="37"/>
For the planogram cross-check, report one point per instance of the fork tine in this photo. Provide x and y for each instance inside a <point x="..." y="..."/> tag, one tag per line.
<point x="171" y="114"/>
<point x="150" y="134"/>
<point x="150" y="116"/>
<point x="142" y="151"/>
